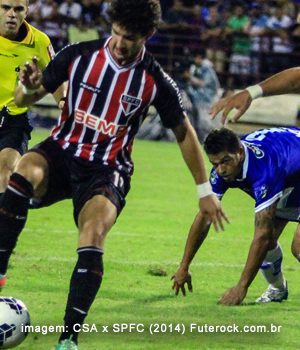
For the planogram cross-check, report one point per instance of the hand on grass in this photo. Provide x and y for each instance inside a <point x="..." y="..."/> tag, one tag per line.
<point x="181" y="278"/>
<point x="233" y="296"/>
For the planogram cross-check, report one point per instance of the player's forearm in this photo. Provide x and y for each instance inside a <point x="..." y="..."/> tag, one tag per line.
<point x="198" y="233"/>
<point x="24" y="100"/>
<point x="191" y="151"/>
<point x="60" y="93"/>
<point x="256" y="255"/>
<point x="287" y="81"/>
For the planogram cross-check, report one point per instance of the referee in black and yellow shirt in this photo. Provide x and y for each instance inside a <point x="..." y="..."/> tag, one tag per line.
<point x="19" y="43"/>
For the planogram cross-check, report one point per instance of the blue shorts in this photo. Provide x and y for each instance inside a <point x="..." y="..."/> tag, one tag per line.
<point x="288" y="207"/>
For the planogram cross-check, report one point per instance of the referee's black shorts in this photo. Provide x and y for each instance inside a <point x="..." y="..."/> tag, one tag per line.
<point x="16" y="133"/>
<point x="71" y="177"/>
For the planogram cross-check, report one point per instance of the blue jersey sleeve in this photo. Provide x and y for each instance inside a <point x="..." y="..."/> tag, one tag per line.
<point x="219" y="186"/>
<point x="268" y="189"/>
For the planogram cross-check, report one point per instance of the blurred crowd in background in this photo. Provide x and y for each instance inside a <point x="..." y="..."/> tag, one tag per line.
<point x="204" y="44"/>
<point x="244" y="40"/>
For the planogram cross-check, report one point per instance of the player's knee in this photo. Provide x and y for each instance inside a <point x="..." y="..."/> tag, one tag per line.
<point x="5" y="174"/>
<point x="93" y="232"/>
<point x="33" y="167"/>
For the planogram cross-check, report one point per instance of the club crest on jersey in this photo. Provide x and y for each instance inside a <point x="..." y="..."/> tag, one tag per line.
<point x="213" y="177"/>
<point x="255" y="149"/>
<point x="261" y="192"/>
<point x="130" y="104"/>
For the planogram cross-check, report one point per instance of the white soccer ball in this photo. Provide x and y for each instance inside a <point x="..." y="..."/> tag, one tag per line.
<point x="14" y="316"/>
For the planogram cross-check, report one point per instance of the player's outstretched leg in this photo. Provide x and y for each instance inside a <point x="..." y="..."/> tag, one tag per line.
<point x="84" y="285"/>
<point x="95" y="220"/>
<point x="13" y="214"/>
<point x="271" y="269"/>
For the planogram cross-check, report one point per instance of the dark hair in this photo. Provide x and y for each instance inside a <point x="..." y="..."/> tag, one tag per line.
<point x="220" y="140"/>
<point x="137" y="16"/>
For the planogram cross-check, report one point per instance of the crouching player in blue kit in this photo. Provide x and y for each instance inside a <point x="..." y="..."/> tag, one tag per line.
<point x="266" y="165"/>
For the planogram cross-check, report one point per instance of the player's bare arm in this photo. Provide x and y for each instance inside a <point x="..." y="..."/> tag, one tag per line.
<point x="190" y="149"/>
<point x="261" y="243"/>
<point x="285" y="82"/>
<point x="60" y="95"/>
<point x="30" y="89"/>
<point x="237" y="103"/>
<point x="198" y="233"/>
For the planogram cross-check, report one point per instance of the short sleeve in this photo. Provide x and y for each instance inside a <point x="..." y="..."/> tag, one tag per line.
<point x="219" y="186"/>
<point x="57" y="70"/>
<point x="168" y="102"/>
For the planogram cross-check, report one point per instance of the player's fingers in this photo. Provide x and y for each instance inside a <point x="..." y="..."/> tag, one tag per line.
<point x="215" y="109"/>
<point x="174" y="285"/>
<point x="222" y="299"/>
<point x="224" y="216"/>
<point x="237" y="114"/>
<point x="225" y="113"/>
<point x="183" y="290"/>
<point x="220" y="221"/>
<point x="215" y="223"/>
<point x="35" y="61"/>
<point x="28" y="68"/>
<point x="190" y="287"/>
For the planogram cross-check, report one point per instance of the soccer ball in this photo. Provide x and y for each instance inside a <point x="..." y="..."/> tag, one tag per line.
<point x="14" y="316"/>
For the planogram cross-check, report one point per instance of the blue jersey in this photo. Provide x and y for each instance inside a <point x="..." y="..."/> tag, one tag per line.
<point x="272" y="163"/>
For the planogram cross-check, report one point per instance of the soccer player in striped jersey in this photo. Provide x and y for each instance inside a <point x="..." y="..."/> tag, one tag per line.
<point x="88" y="155"/>
<point x="266" y="165"/>
<point x="19" y="42"/>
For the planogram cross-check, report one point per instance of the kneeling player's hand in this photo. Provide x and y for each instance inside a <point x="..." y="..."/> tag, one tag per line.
<point x="181" y="278"/>
<point x="233" y="296"/>
<point x="211" y="206"/>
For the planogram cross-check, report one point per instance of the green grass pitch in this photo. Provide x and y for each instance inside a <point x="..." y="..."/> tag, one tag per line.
<point x="151" y="233"/>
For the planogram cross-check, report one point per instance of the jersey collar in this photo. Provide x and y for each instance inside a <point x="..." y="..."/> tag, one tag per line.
<point x="245" y="163"/>
<point x="117" y="66"/>
<point x="29" y="39"/>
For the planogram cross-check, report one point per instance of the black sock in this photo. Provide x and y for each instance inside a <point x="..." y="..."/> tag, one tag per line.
<point x="13" y="215"/>
<point x="85" y="283"/>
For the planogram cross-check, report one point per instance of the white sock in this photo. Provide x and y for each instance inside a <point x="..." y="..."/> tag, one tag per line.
<point x="271" y="268"/>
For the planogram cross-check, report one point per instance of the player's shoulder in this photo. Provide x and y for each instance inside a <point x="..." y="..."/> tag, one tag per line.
<point x="152" y="66"/>
<point x="160" y="76"/>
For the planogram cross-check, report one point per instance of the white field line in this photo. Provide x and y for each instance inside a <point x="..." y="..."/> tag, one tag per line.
<point x="139" y="262"/>
<point x="142" y="263"/>
<point x="125" y="262"/>
<point x="213" y="236"/>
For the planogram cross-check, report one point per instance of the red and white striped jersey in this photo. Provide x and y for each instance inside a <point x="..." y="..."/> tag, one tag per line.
<point x="106" y="103"/>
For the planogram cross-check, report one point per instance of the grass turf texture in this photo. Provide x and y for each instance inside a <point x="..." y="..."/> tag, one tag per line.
<point x="150" y="234"/>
